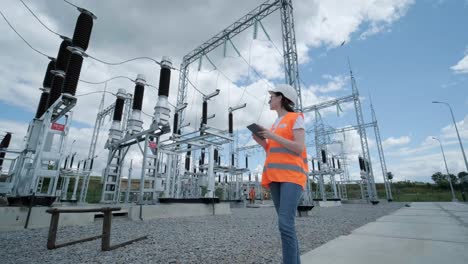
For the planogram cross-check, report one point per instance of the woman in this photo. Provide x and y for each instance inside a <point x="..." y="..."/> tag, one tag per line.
<point x="285" y="166"/>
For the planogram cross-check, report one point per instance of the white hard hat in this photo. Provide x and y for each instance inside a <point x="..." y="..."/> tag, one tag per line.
<point x="287" y="90"/>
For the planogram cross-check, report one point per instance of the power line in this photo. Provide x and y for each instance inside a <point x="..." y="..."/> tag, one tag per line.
<point x="25" y="41"/>
<point x="116" y="77"/>
<point x="71" y="4"/>
<point x="94" y="93"/>
<point x="40" y="20"/>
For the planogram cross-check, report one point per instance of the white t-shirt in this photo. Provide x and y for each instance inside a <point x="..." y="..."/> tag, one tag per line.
<point x="298" y="125"/>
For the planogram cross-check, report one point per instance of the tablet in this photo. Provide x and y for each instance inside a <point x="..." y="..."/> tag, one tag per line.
<point x="255" y="129"/>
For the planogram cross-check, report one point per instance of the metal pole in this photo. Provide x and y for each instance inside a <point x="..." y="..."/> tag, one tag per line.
<point x="446" y="168"/>
<point x="456" y="129"/>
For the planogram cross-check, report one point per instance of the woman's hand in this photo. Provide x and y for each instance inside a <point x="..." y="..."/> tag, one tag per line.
<point x="266" y="133"/>
<point x="261" y="142"/>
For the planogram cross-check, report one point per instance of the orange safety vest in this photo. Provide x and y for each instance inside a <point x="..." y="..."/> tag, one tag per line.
<point x="282" y="164"/>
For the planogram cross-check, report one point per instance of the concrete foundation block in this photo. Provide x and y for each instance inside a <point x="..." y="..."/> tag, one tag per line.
<point x="176" y="210"/>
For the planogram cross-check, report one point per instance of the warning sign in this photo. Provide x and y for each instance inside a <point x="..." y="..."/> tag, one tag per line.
<point x="58" y="127"/>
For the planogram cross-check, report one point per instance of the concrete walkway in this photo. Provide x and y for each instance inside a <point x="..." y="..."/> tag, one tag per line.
<point x="423" y="233"/>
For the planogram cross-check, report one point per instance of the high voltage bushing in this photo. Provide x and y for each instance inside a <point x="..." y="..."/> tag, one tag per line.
<point x="46" y="84"/>
<point x="324" y="156"/>
<point x="83" y="28"/>
<point x="115" y="133"/>
<point x="161" y="110"/>
<point x="72" y="159"/>
<point x="135" y="124"/>
<point x="4" y="145"/>
<point x="231" y="126"/>
<point x="205" y="112"/>
<point x="61" y="64"/>
<point x="176" y="123"/>
<point x="81" y="36"/>
<point x="362" y="166"/>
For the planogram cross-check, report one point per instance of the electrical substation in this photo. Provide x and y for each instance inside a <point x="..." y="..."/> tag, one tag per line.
<point x="183" y="172"/>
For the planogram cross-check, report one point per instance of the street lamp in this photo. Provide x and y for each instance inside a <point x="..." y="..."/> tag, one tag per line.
<point x="456" y="129"/>
<point x="446" y="168"/>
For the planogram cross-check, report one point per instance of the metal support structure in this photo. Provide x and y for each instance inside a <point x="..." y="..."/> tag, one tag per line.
<point x="388" y="188"/>
<point x="289" y="50"/>
<point x="364" y="144"/>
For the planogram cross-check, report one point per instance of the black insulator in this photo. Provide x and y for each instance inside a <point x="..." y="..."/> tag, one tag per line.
<point x="164" y="81"/>
<point x="338" y="161"/>
<point x="91" y="165"/>
<point x="55" y="90"/>
<point x="231" y="127"/>
<point x="66" y="161"/>
<point x="48" y="75"/>
<point x="313" y="164"/>
<point x="333" y="161"/>
<point x="250" y="177"/>
<point x="232" y="160"/>
<point x="6" y="141"/>
<point x="205" y="113"/>
<point x="138" y="97"/>
<point x="318" y="165"/>
<point x="82" y="33"/>
<point x="219" y="178"/>
<point x="324" y="156"/>
<point x="71" y="162"/>
<point x="216" y="155"/>
<point x="63" y="55"/>
<point x="79" y="163"/>
<point x="73" y="74"/>
<point x="187" y="163"/>
<point x="219" y="160"/>
<point x="225" y="179"/>
<point x="202" y="157"/>
<point x="119" y="104"/>
<point x="189" y="152"/>
<point x="246" y="161"/>
<point x="4" y="144"/>
<point x="176" y="122"/>
<point x="42" y="107"/>
<point x="361" y="164"/>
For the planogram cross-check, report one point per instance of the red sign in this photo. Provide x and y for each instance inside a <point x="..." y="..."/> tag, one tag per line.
<point x="152" y="145"/>
<point x="58" y="127"/>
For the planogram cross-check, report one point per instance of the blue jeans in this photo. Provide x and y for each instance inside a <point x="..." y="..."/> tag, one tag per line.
<point x="286" y="197"/>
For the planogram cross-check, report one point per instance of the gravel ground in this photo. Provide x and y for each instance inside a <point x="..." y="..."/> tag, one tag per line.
<point x="248" y="235"/>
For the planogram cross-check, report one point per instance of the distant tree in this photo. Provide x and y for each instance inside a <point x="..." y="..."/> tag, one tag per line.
<point x="441" y="179"/>
<point x="389" y="175"/>
<point x="462" y="174"/>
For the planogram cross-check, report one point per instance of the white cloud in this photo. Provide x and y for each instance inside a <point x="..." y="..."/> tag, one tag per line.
<point x="461" y="66"/>
<point x="334" y="83"/>
<point x="392" y="141"/>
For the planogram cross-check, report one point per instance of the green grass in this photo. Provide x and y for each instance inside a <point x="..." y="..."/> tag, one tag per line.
<point x="402" y="192"/>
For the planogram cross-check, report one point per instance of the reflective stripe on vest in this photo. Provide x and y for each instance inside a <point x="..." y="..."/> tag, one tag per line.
<point x="283" y="166"/>
<point x="284" y="150"/>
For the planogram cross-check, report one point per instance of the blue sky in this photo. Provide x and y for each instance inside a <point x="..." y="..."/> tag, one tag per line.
<point x="402" y="53"/>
